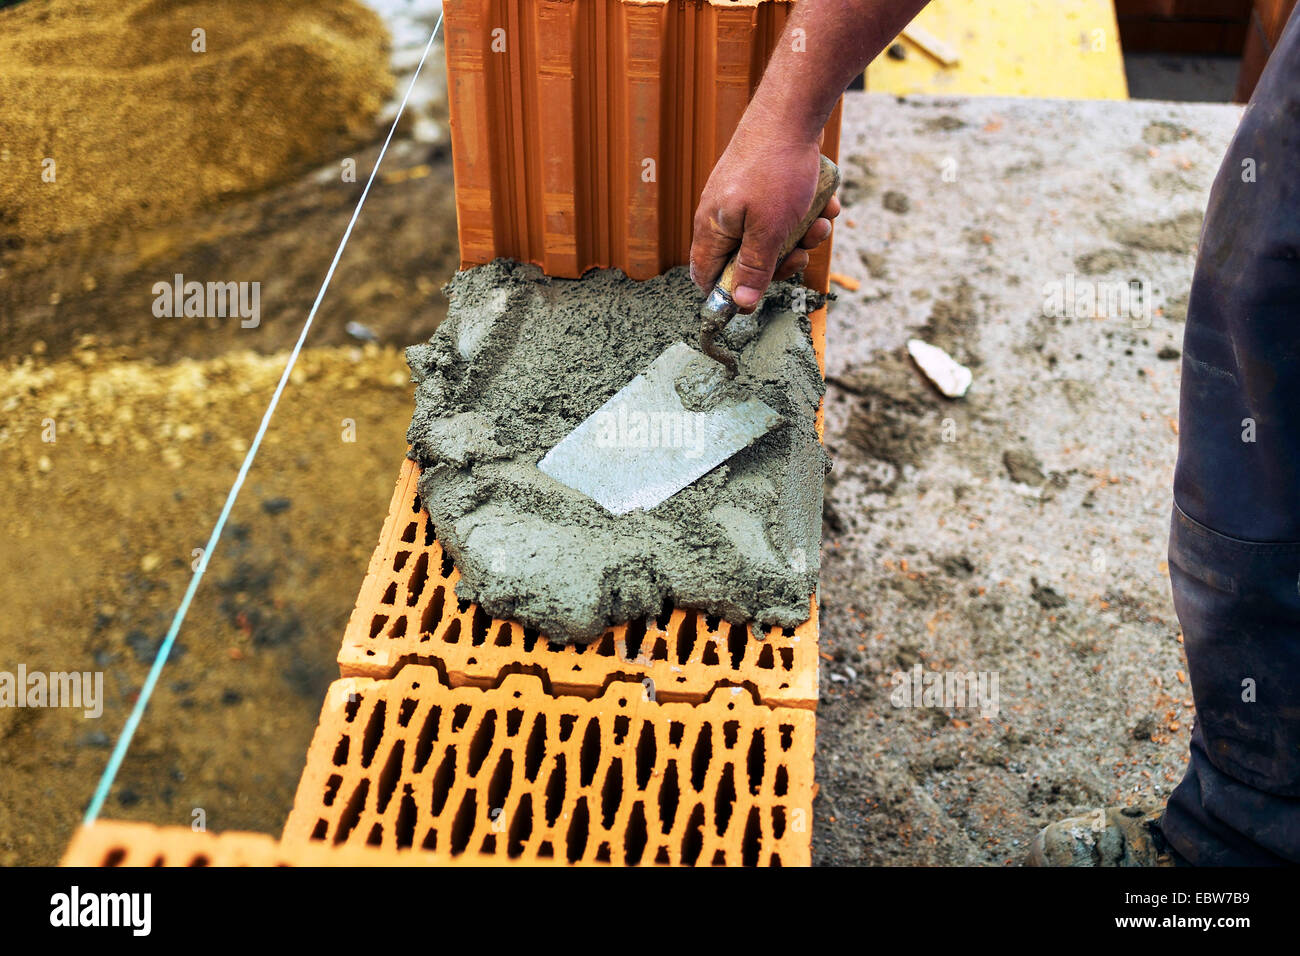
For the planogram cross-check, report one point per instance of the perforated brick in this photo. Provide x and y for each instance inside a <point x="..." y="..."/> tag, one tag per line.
<point x="111" y="843"/>
<point x="408" y="611"/>
<point x="514" y="772"/>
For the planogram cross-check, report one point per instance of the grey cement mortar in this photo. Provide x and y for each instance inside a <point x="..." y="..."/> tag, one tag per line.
<point x="1035" y="536"/>
<point x="520" y="361"/>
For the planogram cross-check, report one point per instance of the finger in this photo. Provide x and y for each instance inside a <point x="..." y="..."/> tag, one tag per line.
<point x="817" y="233"/>
<point x="832" y="209"/>
<point x="792" y="264"/>
<point x="715" y="238"/>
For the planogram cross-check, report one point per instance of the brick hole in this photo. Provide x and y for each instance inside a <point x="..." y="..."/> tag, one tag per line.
<point x="575" y="840"/>
<point x="462" y="825"/>
<point x="603" y="853"/>
<point x="555" y="791"/>
<point x="605" y="646"/>
<point x="756" y="760"/>
<point x="669" y="796"/>
<point x="472" y="661"/>
<point x="390" y="596"/>
<point x="374" y="732"/>
<point x="504" y="633"/>
<point x="399" y="560"/>
<point x="730" y="733"/>
<point x="351" y="815"/>
<point x="398" y="630"/>
<point x="686" y="638"/>
<point x="351" y="707"/>
<point x="555" y="647"/>
<point x="787" y="632"/>
<point x="766" y="659"/>
<point x="416" y="504"/>
<point x="331" y="789"/>
<point x="404" y="827"/>
<point x="405" y="711"/>
<point x="633" y="638"/>
<point x="200" y="860"/>
<point x="787" y="658"/>
<point x="710" y="656"/>
<point x="544" y="850"/>
<point x="693" y="838"/>
<point x="712" y="621"/>
<point x="636" y="837"/>
<point x="737" y="635"/>
<point x="499" y="786"/>
<point x="778" y="822"/>
<point x="724" y="798"/>
<point x="443" y="778"/>
<point x="481" y="743"/>
<point x="425" y="739"/>
<point x="408" y="535"/>
<point x="320" y="831"/>
<point x="567" y="723"/>
<point x="521" y="827"/>
<point x="377" y="625"/>
<point x="430" y="841"/>
<point x="776" y="860"/>
<point x="701" y="756"/>
<point x="478" y="627"/>
<point x="676" y="730"/>
<point x="535" y="749"/>
<point x="430" y="536"/>
<point x="661" y="857"/>
<point x="514" y="720"/>
<point x="418" y="578"/>
<point x="376" y="835"/>
<point x="462" y="604"/>
<point x="720" y="856"/>
<point x="665" y="615"/>
<point x="782" y="782"/>
<point x="787" y="736"/>
<point x="589" y="753"/>
<point x="388" y="777"/>
<point x="622" y="725"/>
<point x="530" y="639"/>
<point x="646" y="751"/>
<point x="611" y="794"/>
<point x="114" y="857"/>
<point x="452" y="634"/>
<point x="489" y="844"/>
<point x="660" y="652"/>
<point x="447" y="565"/>
<point x="752" y="842"/>
<point x="341" y="751"/>
<point x="158" y="861"/>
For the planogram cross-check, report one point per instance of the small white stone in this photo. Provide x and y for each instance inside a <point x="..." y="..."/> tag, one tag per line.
<point x="948" y="375"/>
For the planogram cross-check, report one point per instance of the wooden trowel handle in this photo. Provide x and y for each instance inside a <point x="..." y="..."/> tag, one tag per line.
<point x="828" y="180"/>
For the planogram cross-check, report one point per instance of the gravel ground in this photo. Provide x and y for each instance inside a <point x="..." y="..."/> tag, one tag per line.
<point x="1019" y="532"/>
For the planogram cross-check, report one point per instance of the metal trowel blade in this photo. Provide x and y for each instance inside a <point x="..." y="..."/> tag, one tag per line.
<point x="644" y="445"/>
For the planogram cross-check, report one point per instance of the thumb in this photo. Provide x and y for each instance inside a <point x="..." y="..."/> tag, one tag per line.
<point x="716" y="236"/>
<point x="755" y="264"/>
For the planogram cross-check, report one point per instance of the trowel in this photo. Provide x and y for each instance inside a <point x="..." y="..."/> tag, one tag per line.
<point x="682" y="416"/>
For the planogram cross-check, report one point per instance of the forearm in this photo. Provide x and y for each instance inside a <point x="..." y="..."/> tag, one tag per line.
<point x="808" y="71"/>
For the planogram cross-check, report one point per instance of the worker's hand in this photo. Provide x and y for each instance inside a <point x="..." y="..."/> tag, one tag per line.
<point x="757" y="194"/>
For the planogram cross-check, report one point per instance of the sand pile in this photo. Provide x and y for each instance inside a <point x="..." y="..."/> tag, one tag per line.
<point x="520" y="361"/>
<point x="140" y="126"/>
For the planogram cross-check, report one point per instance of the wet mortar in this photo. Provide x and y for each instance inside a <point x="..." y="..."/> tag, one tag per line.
<point x="523" y="359"/>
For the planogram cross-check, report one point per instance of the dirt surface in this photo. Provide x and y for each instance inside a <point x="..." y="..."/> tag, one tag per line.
<point x="150" y="419"/>
<point x="1019" y="533"/>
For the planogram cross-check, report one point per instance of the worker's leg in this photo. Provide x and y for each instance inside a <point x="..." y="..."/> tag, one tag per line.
<point x="1234" y="550"/>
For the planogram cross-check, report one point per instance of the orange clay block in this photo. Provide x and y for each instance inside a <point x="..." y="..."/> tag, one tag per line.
<point x="583" y="133"/>
<point x="109" y="843"/>
<point x="513" y="772"/>
<point x="407" y="611"/>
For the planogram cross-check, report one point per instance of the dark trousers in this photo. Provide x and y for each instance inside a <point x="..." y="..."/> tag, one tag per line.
<point x="1234" y="549"/>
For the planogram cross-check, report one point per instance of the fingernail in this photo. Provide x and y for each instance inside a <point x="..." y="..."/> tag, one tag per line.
<point x="746" y="296"/>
